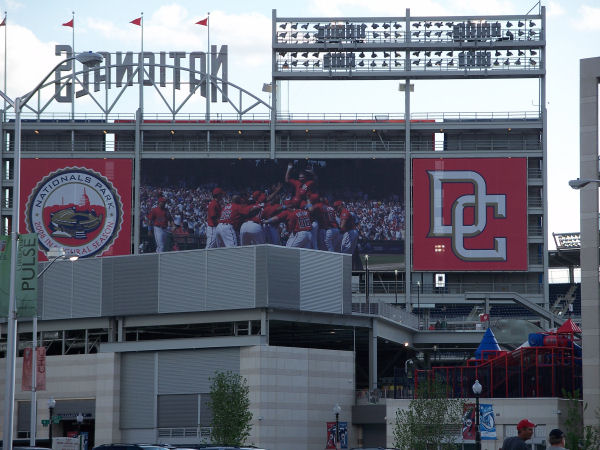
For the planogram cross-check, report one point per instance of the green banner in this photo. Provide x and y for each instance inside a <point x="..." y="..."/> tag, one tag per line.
<point x="27" y="269"/>
<point x="4" y="274"/>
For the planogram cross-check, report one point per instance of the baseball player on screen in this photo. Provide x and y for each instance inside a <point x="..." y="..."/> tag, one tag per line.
<point x="213" y="214"/>
<point x="347" y="228"/>
<point x="251" y="231"/>
<point x="298" y="224"/>
<point x="332" y="235"/>
<point x="302" y="186"/>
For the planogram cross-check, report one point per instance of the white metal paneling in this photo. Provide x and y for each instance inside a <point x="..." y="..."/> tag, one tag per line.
<point x="284" y="277"/>
<point x="87" y="288"/>
<point x="230" y="278"/>
<point x="137" y="390"/>
<point x="134" y="284"/>
<point x="182" y="282"/>
<point x="189" y="371"/>
<point x="57" y="291"/>
<point x="261" y="274"/>
<point x="321" y="283"/>
<point x="176" y="411"/>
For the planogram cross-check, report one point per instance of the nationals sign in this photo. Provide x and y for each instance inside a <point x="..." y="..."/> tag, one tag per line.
<point x="83" y="206"/>
<point x="470" y="214"/>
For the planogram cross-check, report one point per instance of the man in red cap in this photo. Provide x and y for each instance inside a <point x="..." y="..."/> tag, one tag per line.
<point x="524" y="433"/>
<point x="213" y="213"/>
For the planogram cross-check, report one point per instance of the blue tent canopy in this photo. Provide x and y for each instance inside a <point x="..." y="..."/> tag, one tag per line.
<point x="488" y="342"/>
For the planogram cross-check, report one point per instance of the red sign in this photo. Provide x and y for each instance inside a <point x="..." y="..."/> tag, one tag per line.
<point x="82" y="205"/>
<point x="484" y="317"/>
<point x="468" y="426"/>
<point x="470" y="214"/>
<point x="40" y="379"/>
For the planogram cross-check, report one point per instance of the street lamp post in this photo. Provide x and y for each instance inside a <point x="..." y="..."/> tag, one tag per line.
<point x="336" y="410"/>
<point x="88" y="59"/>
<point x="477" y="391"/>
<point x="79" y="422"/>
<point x="51" y="405"/>
<point x="419" y="302"/>
<point x="367" y="283"/>
<point x="396" y="284"/>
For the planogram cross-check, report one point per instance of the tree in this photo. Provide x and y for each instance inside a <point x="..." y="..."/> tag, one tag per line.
<point x="431" y="420"/>
<point x="230" y="404"/>
<point x="578" y="436"/>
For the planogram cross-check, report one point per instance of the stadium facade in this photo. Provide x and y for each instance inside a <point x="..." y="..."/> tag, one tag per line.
<point x="451" y="210"/>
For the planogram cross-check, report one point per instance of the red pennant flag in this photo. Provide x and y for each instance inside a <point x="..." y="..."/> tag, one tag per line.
<point x="203" y="22"/>
<point x="70" y="23"/>
<point x="137" y="21"/>
<point x="3" y="23"/>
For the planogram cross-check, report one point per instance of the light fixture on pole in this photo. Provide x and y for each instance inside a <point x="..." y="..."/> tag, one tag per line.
<point x="396" y="285"/>
<point x="51" y="406"/>
<point x="79" y="422"/>
<point x="581" y="182"/>
<point x="477" y="391"/>
<point x="419" y="303"/>
<point x="88" y="59"/>
<point x="336" y="410"/>
<point x="53" y="255"/>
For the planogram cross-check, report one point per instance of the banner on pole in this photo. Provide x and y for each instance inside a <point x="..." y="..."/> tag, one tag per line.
<point x="40" y="379"/>
<point x="27" y="268"/>
<point x="4" y="274"/>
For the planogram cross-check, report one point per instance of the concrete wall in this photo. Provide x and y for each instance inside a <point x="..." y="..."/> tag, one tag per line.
<point x="293" y="392"/>
<point x="546" y="413"/>
<point x="94" y="376"/>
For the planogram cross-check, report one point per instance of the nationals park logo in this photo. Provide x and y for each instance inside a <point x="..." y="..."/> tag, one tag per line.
<point x="76" y="208"/>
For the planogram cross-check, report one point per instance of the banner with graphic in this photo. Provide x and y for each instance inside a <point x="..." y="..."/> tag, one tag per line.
<point x="40" y="378"/>
<point x="470" y="214"/>
<point x="27" y="270"/>
<point x="82" y="205"/>
<point x="4" y="275"/>
<point x="487" y="422"/>
<point x="331" y="435"/>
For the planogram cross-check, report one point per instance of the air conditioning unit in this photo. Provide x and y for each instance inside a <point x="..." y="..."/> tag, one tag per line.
<point x="440" y="280"/>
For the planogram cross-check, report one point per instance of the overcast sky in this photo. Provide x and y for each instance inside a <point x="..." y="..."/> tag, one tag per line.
<point x="573" y="32"/>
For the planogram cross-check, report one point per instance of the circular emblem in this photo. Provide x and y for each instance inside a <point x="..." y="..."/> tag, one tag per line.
<point x="75" y="208"/>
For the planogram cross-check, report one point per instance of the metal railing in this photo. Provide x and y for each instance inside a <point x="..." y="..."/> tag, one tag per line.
<point x="215" y="117"/>
<point x="481" y="145"/>
<point x="397" y="313"/>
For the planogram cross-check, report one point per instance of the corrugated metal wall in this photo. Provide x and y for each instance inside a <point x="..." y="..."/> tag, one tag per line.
<point x="197" y="280"/>
<point x="162" y="387"/>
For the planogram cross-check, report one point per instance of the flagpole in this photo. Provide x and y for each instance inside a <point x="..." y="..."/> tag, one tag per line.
<point x="5" y="65"/>
<point x="141" y="70"/>
<point x="208" y="72"/>
<point x="72" y="81"/>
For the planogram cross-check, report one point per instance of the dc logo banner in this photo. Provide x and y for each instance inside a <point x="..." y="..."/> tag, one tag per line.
<point x="470" y="214"/>
<point x="78" y="208"/>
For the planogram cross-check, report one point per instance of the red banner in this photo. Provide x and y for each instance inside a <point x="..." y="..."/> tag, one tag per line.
<point x="470" y="214"/>
<point x="82" y="205"/>
<point x="40" y="380"/>
<point x="468" y="428"/>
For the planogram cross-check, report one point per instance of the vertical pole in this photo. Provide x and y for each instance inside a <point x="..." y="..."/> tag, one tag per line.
<point x="396" y="285"/>
<point x="72" y="85"/>
<point x="11" y="337"/>
<point x="590" y="289"/>
<point x="136" y="182"/>
<point x="477" y="431"/>
<point x="274" y="86"/>
<point x="50" y="411"/>
<point x="337" y="431"/>
<point x="33" y="412"/>
<point x="208" y="56"/>
<point x="367" y="283"/>
<point x="419" y="303"/>
<point x="407" y="174"/>
<point x="5" y="65"/>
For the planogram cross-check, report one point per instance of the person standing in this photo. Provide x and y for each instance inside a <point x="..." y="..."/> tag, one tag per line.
<point x="161" y="220"/>
<point x="347" y="228"/>
<point x="524" y="433"/>
<point x="556" y="439"/>
<point x="213" y="214"/>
